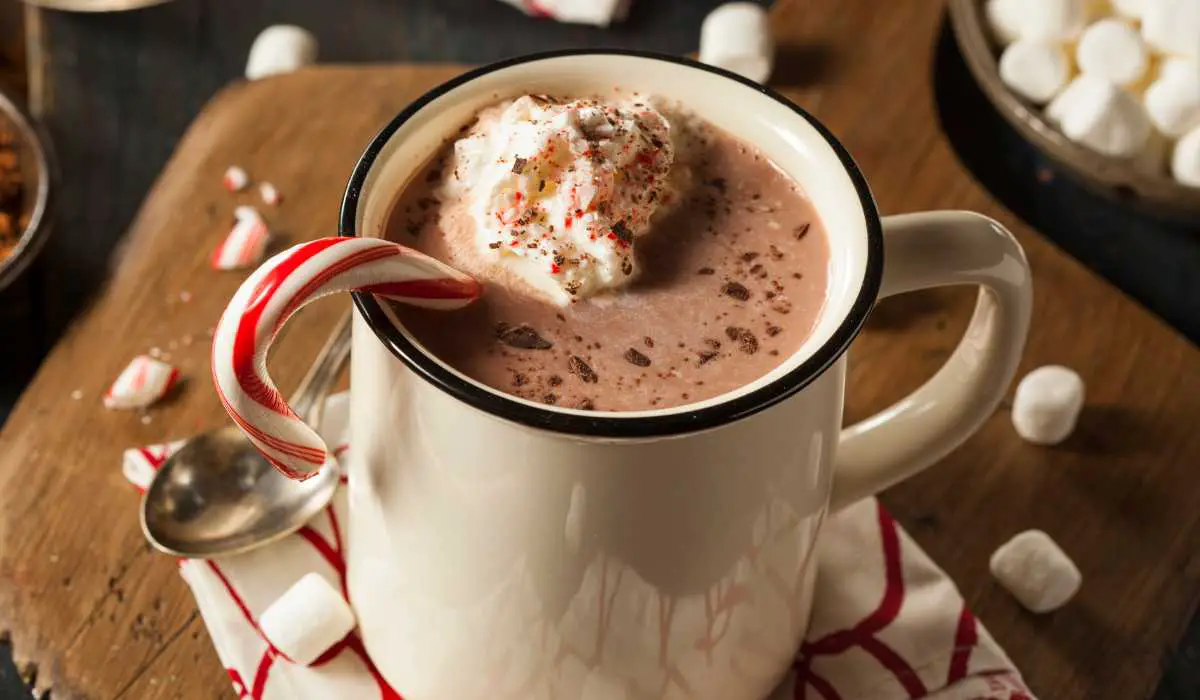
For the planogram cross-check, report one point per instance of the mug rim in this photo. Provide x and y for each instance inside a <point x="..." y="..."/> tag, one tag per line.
<point x="613" y="425"/>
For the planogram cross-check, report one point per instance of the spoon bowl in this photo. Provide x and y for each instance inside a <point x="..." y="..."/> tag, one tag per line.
<point x="217" y="495"/>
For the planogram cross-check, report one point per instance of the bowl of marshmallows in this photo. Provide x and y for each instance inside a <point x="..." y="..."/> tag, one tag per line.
<point x="1108" y="88"/>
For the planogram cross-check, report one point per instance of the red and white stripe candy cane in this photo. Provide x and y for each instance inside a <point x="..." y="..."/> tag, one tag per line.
<point x="274" y="292"/>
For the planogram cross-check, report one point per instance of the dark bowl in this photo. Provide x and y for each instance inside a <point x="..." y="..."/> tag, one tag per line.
<point x="36" y="163"/>
<point x="1129" y="179"/>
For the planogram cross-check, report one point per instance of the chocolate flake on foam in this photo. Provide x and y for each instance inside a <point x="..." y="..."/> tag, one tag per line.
<point x="746" y="340"/>
<point x="521" y="337"/>
<point x="636" y="358"/>
<point x="580" y="368"/>
<point x="735" y="290"/>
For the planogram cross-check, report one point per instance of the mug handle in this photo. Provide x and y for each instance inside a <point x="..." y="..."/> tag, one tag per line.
<point x="922" y="251"/>
<point x="275" y="291"/>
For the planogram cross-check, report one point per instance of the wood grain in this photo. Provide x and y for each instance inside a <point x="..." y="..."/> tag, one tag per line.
<point x="106" y="618"/>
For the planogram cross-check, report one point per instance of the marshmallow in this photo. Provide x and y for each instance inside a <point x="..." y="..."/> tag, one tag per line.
<point x="1035" y="70"/>
<point x="1173" y="27"/>
<point x="1046" y="20"/>
<point x="144" y="381"/>
<point x="235" y="179"/>
<point x="281" y="48"/>
<point x="245" y="244"/>
<point x="1113" y="50"/>
<point x="1170" y="65"/>
<point x="1173" y="100"/>
<point x="308" y="619"/>
<point x="1185" y="161"/>
<point x="1036" y="571"/>
<point x="737" y="37"/>
<point x="1101" y="116"/>
<point x="1047" y="404"/>
<point x="1132" y="9"/>
<point x="1005" y="18"/>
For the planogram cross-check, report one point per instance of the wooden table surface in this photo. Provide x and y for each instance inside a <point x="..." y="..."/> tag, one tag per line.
<point x="106" y="618"/>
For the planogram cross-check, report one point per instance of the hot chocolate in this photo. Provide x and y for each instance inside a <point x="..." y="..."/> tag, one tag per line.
<point x="725" y="281"/>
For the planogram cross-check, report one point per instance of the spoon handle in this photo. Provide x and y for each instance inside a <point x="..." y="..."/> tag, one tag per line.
<point x="309" y="398"/>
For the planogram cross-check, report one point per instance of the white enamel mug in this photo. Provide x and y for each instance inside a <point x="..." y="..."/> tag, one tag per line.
<point x="500" y="548"/>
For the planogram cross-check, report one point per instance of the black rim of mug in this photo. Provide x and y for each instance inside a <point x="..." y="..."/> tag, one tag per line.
<point x="614" y="425"/>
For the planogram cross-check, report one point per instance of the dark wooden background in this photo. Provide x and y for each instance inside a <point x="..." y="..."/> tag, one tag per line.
<point x="121" y="89"/>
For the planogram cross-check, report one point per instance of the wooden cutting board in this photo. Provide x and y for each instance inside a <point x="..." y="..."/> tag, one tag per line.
<point x="104" y="617"/>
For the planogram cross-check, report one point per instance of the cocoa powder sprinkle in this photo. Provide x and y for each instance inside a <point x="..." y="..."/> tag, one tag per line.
<point x="706" y="271"/>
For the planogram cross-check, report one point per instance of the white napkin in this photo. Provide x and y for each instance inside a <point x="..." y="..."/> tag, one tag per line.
<point x="598" y="12"/>
<point x="887" y="623"/>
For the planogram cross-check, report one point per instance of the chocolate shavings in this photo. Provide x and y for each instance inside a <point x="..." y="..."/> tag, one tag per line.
<point x="736" y="290"/>
<point x="583" y="370"/>
<point x="746" y="340"/>
<point x="634" y="357"/>
<point x="521" y="337"/>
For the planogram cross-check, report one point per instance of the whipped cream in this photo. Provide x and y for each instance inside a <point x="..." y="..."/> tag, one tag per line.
<point x="561" y="189"/>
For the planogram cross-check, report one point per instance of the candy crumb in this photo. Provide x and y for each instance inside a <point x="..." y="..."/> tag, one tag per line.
<point x="269" y="193"/>
<point x="235" y="179"/>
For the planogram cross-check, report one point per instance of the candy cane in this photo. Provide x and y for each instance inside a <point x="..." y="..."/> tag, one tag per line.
<point x="278" y="289"/>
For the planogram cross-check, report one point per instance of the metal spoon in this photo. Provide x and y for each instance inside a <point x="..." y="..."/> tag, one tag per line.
<point x="217" y="495"/>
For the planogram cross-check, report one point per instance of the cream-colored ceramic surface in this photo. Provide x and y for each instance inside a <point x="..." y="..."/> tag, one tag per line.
<point x="492" y="560"/>
<point x="488" y="559"/>
<point x="938" y="249"/>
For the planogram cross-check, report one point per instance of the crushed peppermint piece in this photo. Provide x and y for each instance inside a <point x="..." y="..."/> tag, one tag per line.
<point x="144" y="381"/>
<point x="235" y="179"/>
<point x="269" y="194"/>
<point x="246" y="243"/>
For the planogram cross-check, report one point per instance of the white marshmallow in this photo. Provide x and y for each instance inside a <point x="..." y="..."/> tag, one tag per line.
<point x="1050" y="20"/>
<point x="1035" y="70"/>
<point x="1036" y="571"/>
<point x="1173" y="100"/>
<point x="281" y="48"/>
<point x="1185" y="161"/>
<point x="1113" y="50"/>
<point x="1173" y="27"/>
<point x="1170" y="65"/>
<point x="1005" y="18"/>
<point x="1101" y="116"/>
<point x="737" y="37"/>
<point x="1047" y="404"/>
<point x="308" y="619"/>
<point x="1133" y="9"/>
